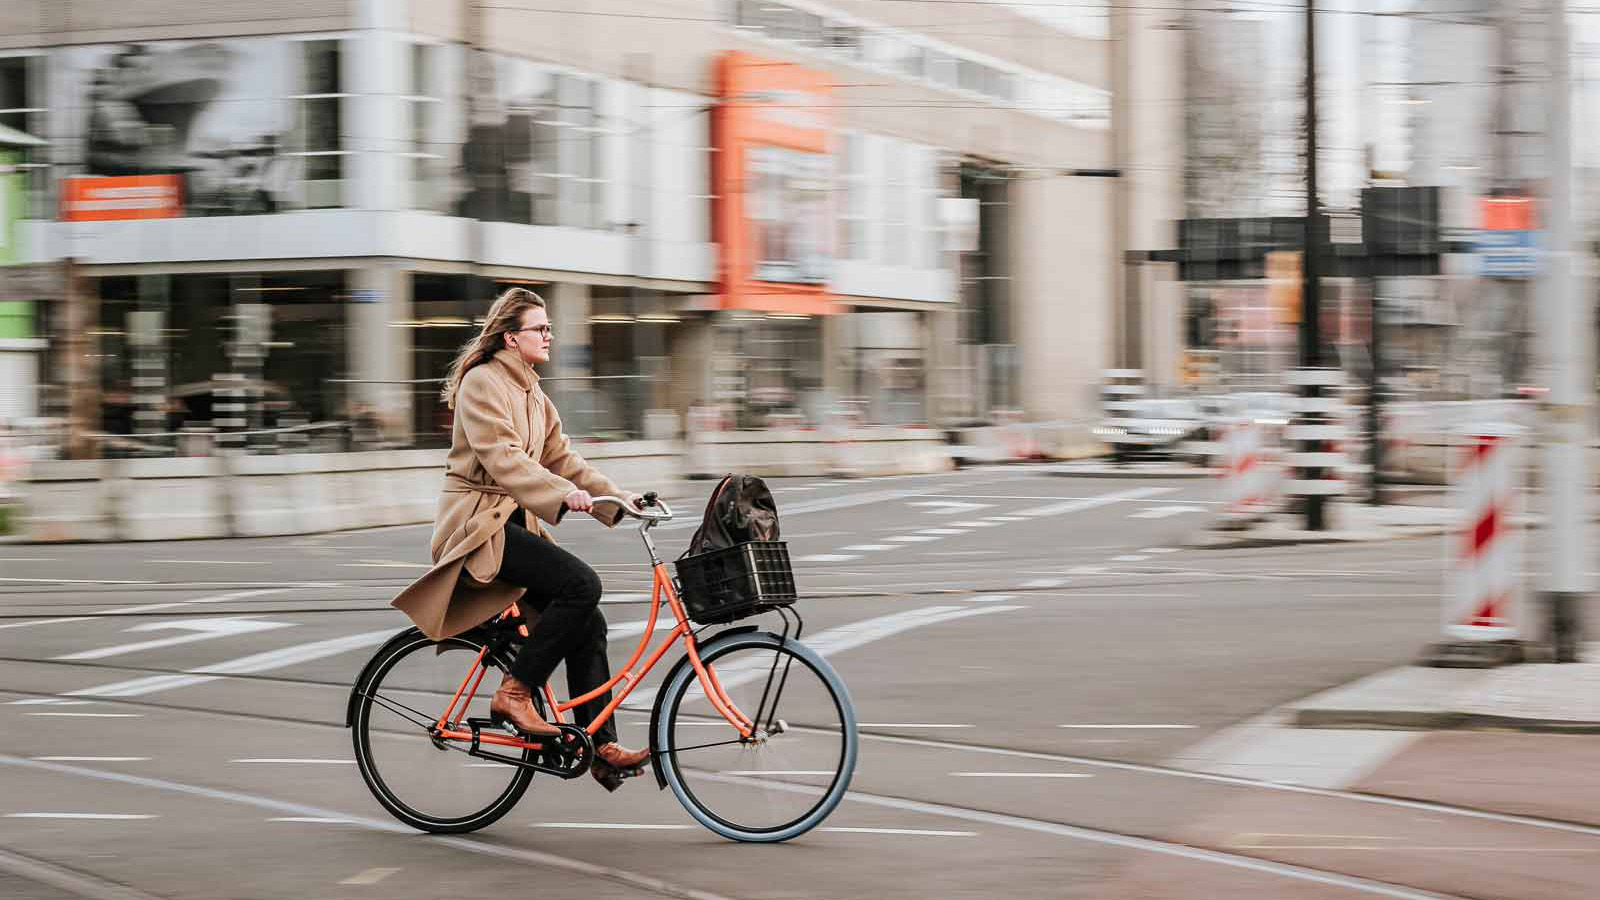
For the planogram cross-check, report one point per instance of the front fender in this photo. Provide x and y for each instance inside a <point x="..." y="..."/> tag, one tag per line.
<point x="655" y="709"/>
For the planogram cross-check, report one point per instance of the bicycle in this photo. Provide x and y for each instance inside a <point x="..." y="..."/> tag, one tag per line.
<point x="759" y="778"/>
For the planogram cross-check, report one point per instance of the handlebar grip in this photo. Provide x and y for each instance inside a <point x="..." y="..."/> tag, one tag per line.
<point x="649" y="498"/>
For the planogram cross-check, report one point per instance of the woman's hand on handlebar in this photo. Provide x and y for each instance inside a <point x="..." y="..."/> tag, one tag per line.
<point x="579" y="501"/>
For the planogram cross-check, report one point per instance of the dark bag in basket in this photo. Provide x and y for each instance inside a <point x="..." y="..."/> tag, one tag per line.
<point x="735" y="565"/>
<point x="741" y="509"/>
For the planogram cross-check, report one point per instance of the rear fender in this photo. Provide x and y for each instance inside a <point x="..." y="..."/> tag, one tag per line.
<point x="655" y="710"/>
<point x="476" y="635"/>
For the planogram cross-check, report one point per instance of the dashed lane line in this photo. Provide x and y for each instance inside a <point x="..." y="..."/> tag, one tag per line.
<point x="827" y="557"/>
<point x="244" y="665"/>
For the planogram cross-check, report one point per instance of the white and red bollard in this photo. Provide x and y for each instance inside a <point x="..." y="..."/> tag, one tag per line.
<point x="1249" y="474"/>
<point x="1484" y="599"/>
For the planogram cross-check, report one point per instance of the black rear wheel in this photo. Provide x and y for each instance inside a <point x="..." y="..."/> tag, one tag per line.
<point x="428" y="783"/>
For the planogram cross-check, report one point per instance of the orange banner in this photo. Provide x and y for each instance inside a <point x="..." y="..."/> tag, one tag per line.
<point x="97" y="198"/>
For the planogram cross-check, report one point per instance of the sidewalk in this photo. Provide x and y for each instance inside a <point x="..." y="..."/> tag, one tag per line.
<point x="1353" y="739"/>
<point x="1352" y="522"/>
<point x="1527" y="697"/>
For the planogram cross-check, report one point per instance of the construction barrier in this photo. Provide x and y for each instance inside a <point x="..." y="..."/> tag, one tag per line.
<point x="1483" y="602"/>
<point x="1317" y="434"/>
<point x="1249" y="476"/>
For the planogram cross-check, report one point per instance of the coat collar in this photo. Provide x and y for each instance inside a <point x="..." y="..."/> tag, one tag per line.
<point x="521" y="373"/>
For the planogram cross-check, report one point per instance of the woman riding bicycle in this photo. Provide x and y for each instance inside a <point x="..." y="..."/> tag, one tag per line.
<point x="509" y="457"/>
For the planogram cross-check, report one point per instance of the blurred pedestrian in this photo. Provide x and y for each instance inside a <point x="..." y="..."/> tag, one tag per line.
<point x="509" y="457"/>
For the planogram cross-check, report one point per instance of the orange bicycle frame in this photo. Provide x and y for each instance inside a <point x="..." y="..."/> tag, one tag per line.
<point x="626" y="677"/>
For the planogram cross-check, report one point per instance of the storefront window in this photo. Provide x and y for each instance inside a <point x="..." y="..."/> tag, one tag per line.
<point x="789" y="210"/>
<point x="22" y="107"/>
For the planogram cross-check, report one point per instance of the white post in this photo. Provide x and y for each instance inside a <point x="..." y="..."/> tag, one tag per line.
<point x="1567" y="330"/>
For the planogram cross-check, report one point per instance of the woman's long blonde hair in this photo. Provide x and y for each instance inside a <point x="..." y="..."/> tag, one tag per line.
<point x="505" y="315"/>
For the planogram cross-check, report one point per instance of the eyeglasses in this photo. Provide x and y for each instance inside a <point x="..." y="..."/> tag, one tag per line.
<point x="544" y="330"/>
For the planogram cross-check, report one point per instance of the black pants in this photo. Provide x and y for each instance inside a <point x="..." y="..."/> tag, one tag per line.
<point x="571" y="629"/>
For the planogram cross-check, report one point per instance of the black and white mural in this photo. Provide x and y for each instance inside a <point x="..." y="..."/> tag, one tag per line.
<point x="242" y="121"/>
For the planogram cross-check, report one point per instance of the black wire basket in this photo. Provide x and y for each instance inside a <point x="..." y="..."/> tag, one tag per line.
<point x="735" y="582"/>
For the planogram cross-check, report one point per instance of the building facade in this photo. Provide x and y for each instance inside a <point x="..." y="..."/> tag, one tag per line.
<point x="781" y="210"/>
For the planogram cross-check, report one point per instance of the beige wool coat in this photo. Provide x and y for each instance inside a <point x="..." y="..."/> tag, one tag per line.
<point x="506" y="450"/>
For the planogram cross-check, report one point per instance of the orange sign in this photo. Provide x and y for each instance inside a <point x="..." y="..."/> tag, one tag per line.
<point x="97" y="198"/>
<point x="1499" y="213"/>
<point x="772" y="175"/>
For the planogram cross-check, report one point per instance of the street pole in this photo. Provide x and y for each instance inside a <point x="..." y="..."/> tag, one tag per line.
<point x="1310" y="263"/>
<point x="1567" y="330"/>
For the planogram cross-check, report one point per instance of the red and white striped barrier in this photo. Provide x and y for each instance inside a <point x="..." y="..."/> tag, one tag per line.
<point x="1249" y="476"/>
<point x="1484" y="600"/>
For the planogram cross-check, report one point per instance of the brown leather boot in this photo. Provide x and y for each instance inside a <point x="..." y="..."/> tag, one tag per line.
<point x="613" y="762"/>
<point x="513" y="703"/>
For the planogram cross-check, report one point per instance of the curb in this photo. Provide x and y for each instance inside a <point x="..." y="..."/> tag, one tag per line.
<point x="1213" y="541"/>
<point x="1435" y="720"/>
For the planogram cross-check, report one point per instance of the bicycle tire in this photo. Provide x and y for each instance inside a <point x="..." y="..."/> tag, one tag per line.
<point x="372" y="772"/>
<point x="677" y="766"/>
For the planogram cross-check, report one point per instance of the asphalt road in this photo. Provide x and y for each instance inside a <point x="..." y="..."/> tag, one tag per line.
<point x="1026" y="652"/>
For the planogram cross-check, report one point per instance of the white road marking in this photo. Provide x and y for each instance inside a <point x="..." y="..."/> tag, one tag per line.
<point x="1159" y="550"/>
<point x="1079" y="505"/>
<point x="626" y="629"/>
<point x="918" y="832"/>
<point x="626" y="597"/>
<point x="290" y="761"/>
<point x="976" y="524"/>
<point x="32" y="622"/>
<point x="198" y="601"/>
<point x="69" y="815"/>
<point x="52" y="715"/>
<point x="757" y="773"/>
<point x="828" y="557"/>
<point x="614" y="826"/>
<point x="312" y="820"/>
<point x="1020" y="775"/>
<point x="948" y="507"/>
<point x="1127" y="726"/>
<point x="990" y="598"/>
<point x="942" y="531"/>
<point x="911" y="725"/>
<point x="1129" y="557"/>
<point x="210" y="562"/>
<point x="28" y="559"/>
<point x="999" y="519"/>
<point x="871" y="548"/>
<point x="384" y="564"/>
<point x="1086" y="570"/>
<point x="201" y="630"/>
<point x="49" y="701"/>
<point x="1044" y="583"/>
<point x="370" y="876"/>
<point x="1162" y="512"/>
<point x="912" y="538"/>
<point x="244" y="665"/>
<point x="91" y="758"/>
<point x="74" y="581"/>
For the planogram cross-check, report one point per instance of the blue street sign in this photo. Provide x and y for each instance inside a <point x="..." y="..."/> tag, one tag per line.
<point x="1508" y="252"/>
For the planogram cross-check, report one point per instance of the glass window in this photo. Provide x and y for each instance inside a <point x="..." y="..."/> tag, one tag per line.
<point x="21" y="107"/>
<point x="851" y="194"/>
<point x="320" y="125"/>
<point x="894" y="203"/>
<point x="789" y="212"/>
<point x="942" y="68"/>
<point x="844" y="40"/>
<point x="428" y="168"/>
<point x="972" y="75"/>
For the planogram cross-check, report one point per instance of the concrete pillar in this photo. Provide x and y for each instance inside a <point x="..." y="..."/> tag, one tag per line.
<point x="1064" y="314"/>
<point x="380" y="350"/>
<point x="572" y="353"/>
<point x="946" y="388"/>
<point x="838" y="355"/>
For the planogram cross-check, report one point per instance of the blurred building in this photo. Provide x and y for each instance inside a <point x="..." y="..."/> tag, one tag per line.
<point x="783" y="209"/>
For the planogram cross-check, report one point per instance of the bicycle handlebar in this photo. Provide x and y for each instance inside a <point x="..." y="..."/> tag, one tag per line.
<point x="645" y="514"/>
